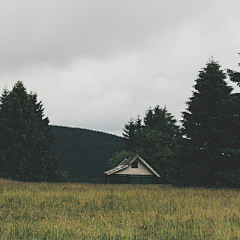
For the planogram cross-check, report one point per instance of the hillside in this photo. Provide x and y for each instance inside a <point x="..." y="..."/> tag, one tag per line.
<point x="84" y="153"/>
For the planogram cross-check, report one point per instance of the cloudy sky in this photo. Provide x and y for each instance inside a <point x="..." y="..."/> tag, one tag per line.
<point x="96" y="63"/>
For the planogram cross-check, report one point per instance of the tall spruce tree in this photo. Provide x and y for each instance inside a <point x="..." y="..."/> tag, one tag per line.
<point x="156" y="140"/>
<point x="130" y="132"/>
<point x="231" y="154"/>
<point x="26" y="137"/>
<point x="234" y="76"/>
<point x="207" y="126"/>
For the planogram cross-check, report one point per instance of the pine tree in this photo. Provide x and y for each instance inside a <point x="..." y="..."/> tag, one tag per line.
<point x="3" y="141"/>
<point x="158" y="141"/>
<point x="26" y="137"/>
<point x="206" y="128"/>
<point x="155" y="140"/>
<point x="118" y="157"/>
<point x="148" y="119"/>
<point x="234" y="76"/>
<point x="130" y="131"/>
<point x="229" y="175"/>
<point x="231" y="154"/>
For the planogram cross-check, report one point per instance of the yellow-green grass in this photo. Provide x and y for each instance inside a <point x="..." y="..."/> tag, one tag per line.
<point x="94" y="211"/>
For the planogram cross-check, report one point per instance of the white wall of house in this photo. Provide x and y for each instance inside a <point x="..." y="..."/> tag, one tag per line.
<point x="141" y="170"/>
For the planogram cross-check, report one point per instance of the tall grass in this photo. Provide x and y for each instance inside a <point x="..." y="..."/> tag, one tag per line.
<point x="89" y="211"/>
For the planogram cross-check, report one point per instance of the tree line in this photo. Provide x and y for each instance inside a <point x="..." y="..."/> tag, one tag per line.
<point x="33" y="150"/>
<point x="204" y="150"/>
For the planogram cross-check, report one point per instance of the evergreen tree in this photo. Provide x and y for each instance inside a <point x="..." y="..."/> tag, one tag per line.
<point x="26" y="137"/>
<point x="229" y="175"/>
<point x="148" y="119"/>
<point x="234" y="76"/>
<point x="231" y="154"/>
<point x="118" y="157"/>
<point x="156" y="140"/>
<point x="206" y="126"/>
<point x="3" y="142"/>
<point x="130" y="131"/>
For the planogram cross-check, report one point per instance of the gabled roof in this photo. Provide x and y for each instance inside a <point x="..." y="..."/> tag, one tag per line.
<point x="126" y="162"/>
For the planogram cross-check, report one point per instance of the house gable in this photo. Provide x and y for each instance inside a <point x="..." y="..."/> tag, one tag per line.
<point x="132" y="170"/>
<point x="140" y="170"/>
<point x="126" y="168"/>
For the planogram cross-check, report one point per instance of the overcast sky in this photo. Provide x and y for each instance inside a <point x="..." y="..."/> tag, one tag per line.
<point x="94" y="64"/>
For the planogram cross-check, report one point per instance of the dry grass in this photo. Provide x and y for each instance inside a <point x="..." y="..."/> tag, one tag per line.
<point x="91" y="211"/>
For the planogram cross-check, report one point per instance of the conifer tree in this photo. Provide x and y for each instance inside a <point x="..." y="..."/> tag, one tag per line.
<point x="148" y="119"/>
<point x="130" y="131"/>
<point x="206" y="128"/>
<point x="26" y="137"/>
<point x="156" y="140"/>
<point x="231" y="154"/>
<point x="234" y="76"/>
<point x="118" y="157"/>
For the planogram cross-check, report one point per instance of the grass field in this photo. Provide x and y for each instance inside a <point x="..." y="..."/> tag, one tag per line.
<point x="91" y="211"/>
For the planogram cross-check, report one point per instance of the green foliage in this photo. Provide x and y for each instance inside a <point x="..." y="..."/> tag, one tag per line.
<point x="25" y="137"/>
<point x="211" y="125"/>
<point x="234" y="76"/>
<point x="155" y="140"/>
<point x="158" y="141"/>
<point x="206" y="150"/>
<point x="130" y="131"/>
<point x="96" y="211"/>
<point x="155" y="147"/>
<point x="118" y="157"/>
<point x="83" y="153"/>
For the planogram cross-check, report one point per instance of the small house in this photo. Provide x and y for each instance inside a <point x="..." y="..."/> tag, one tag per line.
<point x="132" y="170"/>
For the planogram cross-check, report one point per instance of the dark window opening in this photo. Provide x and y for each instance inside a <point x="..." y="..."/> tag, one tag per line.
<point x="135" y="164"/>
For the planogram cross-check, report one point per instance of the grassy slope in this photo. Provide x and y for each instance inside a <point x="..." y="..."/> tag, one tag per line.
<point x="90" y="211"/>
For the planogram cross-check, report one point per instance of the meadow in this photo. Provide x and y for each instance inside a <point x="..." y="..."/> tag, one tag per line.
<point x="95" y="211"/>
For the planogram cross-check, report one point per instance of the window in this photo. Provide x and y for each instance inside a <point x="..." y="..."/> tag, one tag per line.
<point x="135" y="164"/>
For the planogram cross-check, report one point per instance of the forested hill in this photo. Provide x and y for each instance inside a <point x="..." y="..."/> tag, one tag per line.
<point x="84" y="153"/>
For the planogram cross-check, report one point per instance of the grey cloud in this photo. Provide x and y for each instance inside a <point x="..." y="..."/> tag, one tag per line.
<point x="55" y="32"/>
<point x="95" y="63"/>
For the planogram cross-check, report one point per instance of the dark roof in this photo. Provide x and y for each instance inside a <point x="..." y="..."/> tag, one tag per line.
<point x="126" y="162"/>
